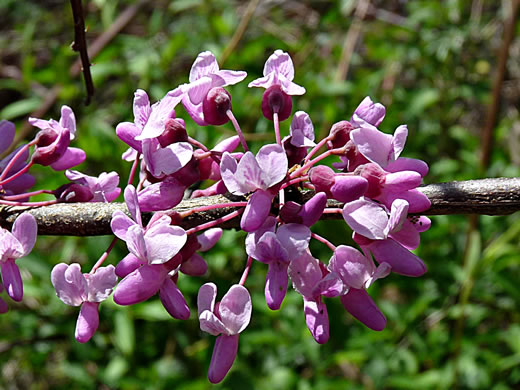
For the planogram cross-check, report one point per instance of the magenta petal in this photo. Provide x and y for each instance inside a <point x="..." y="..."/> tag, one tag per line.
<point x="206" y="298"/>
<point x="161" y="196"/>
<point x="401" y="259"/>
<point x="208" y="238"/>
<point x="362" y="307"/>
<point x="417" y="200"/>
<point x="317" y="319"/>
<point x="204" y="64"/>
<point x="127" y="265"/>
<point x="366" y="218"/>
<point x="70" y="284"/>
<point x="140" y="285"/>
<point x="127" y="131"/>
<point x="348" y="188"/>
<point x="12" y="280"/>
<point x="276" y="285"/>
<point x="7" y="131"/>
<point x="224" y="353"/>
<point x="173" y="300"/>
<point x="408" y="164"/>
<point x="257" y="210"/>
<point x="312" y="210"/>
<point x="370" y="112"/>
<point x="88" y="321"/>
<point x="20" y="184"/>
<point x="101" y="283"/>
<point x="141" y="108"/>
<point x="194" y="266"/>
<point x="305" y="274"/>
<point x="68" y="120"/>
<point x="272" y="160"/>
<point x="373" y="144"/>
<point x="399" y="140"/>
<point x="71" y="158"/>
<point x="402" y="181"/>
<point x="4" y="308"/>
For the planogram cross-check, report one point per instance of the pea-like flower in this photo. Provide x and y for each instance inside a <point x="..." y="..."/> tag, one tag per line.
<point x="225" y="319"/>
<point x="85" y="290"/>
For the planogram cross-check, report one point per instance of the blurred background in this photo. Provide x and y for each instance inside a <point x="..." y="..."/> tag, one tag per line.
<point x="432" y="63"/>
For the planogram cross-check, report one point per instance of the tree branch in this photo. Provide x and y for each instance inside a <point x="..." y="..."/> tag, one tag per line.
<point x="80" y="45"/>
<point x="499" y="196"/>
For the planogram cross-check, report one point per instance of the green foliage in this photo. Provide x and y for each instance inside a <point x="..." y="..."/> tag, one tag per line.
<point x="430" y="62"/>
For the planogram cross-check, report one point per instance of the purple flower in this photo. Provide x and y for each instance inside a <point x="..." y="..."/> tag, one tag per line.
<point x="23" y="182"/>
<point x="368" y="112"/>
<point x="339" y="187"/>
<point x="85" y="290"/>
<point x="277" y="80"/>
<point x="308" y="280"/>
<point x="104" y="188"/>
<point x="302" y="130"/>
<point x="204" y="76"/>
<point x="255" y="174"/>
<point x="195" y="265"/>
<point x="52" y="142"/>
<point x="225" y="319"/>
<point x="279" y="70"/>
<point x="277" y="249"/>
<point x="155" y="244"/>
<point x="358" y="272"/>
<point x="161" y="161"/>
<point x="13" y="245"/>
<point x="376" y="231"/>
<point x="152" y="263"/>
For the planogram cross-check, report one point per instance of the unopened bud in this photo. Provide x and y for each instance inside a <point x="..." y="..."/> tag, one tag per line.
<point x="215" y="106"/>
<point x="275" y="100"/>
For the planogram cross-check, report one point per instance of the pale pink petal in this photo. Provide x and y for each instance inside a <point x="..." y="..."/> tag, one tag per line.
<point x="230" y="77"/>
<point x="289" y="87"/>
<point x="366" y="218"/>
<point x="294" y="238"/>
<point x="25" y="230"/>
<point x="142" y="109"/>
<point x="68" y="120"/>
<point x="70" y="284"/>
<point x="101" y="283"/>
<point x="204" y="64"/>
<point x="161" y="196"/>
<point x="210" y="323"/>
<point x="227" y="145"/>
<point x="272" y="160"/>
<point x="163" y="242"/>
<point x="416" y="199"/>
<point x="194" y="111"/>
<point x="127" y="131"/>
<point x="373" y="144"/>
<point x="279" y="62"/>
<point x="136" y="243"/>
<point x="317" y="319"/>
<point x="407" y="236"/>
<point x="353" y="267"/>
<point x="305" y="274"/>
<point x="228" y="169"/>
<point x="249" y="176"/>
<point x="206" y="298"/>
<point x="235" y="309"/>
<point x="399" y="140"/>
<point x="369" y="112"/>
<point x="120" y="224"/>
<point x="398" y="215"/>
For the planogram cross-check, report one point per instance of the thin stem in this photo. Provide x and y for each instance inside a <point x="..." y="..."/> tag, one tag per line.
<point x="332" y="210"/>
<point x="29" y="204"/>
<point x="14" y="159"/>
<point x="324" y="241"/>
<point x="310" y="163"/>
<point x="216" y="222"/>
<point x="246" y="271"/>
<point x="277" y="128"/>
<point x="134" y="168"/>
<point x="295" y="181"/>
<point x="238" y="130"/>
<point x="316" y="148"/>
<point x="17" y="174"/>
<point x="212" y="207"/>
<point x="104" y="256"/>
<point x="198" y="144"/>
<point x="27" y="195"/>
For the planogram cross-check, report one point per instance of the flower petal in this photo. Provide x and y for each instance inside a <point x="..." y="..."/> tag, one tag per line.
<point x="70" y="284"/>
<point x="366" y="218"/>
<point x="223" y="356"/>
<point x="362" y="307"/>
<point x="25" y="230"/>
<point x="173" y="300"/>
<point x="235" y="309"/>
<point x="101" y="283"/>
<point x="88" y="322"/>
<point x="317" y="319"/>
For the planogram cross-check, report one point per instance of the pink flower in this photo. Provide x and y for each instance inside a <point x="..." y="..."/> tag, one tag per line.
<point x="104" y="188"/>
<point x="225" y="319"/>
<point x="85" y="290"/>
<point x="52" y="142"/>
<point x="13" y="245"/>
<point x="205" y="75"/>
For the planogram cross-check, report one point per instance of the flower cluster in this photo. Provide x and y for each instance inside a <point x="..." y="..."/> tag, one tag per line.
<point x="279" y="193"/>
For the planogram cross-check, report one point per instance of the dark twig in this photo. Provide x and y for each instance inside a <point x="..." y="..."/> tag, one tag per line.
<point x="486" y="196"/>
<point x="80" y="45"/>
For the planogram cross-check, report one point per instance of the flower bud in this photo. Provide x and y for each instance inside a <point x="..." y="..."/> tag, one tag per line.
<point x="375" y="176"/>
<point x="275" y="100"/>
<point x="339" y="134"/>
<point x="174" y="131"/>
<point x="50" y="146"/>
<point x="215" y="106"/>
<point x="323" y="178"/>
<point x="72" y="192"/>
<point x="295" y="154"/>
